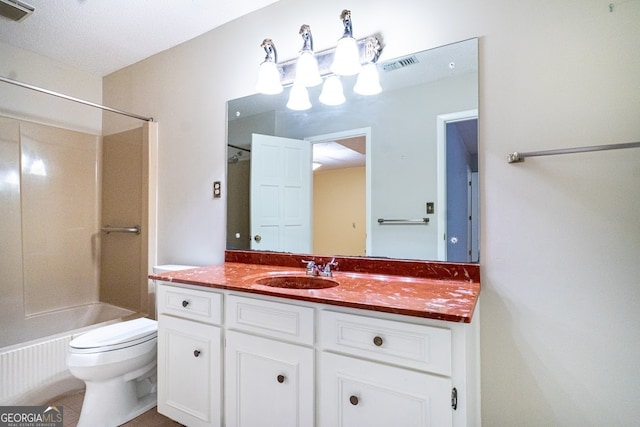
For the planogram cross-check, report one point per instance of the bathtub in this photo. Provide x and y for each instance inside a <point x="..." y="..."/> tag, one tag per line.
<point x="35" y="371"/>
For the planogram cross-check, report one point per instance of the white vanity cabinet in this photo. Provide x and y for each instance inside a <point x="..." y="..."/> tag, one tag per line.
<point x="378" y="372"/>
<point x="268" y="381"/>
<point x="189" y="355"/>
<point x="286" y="362"/>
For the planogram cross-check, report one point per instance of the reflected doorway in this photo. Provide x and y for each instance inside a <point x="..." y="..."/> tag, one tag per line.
<point x="458" y="193"/>
<point x="340" y="193"/>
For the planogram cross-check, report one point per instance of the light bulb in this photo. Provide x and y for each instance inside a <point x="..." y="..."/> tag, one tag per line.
<point x="368" y="82"/>
<point x="332" y="93"/>
<point x="307" y="73"/>
<point x="268" y="79"/>
<point x="298" y="98"/>
<point x="346" y="60"/>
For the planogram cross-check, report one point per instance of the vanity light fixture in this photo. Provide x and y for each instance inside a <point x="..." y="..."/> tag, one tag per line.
<point x="346" y="60"/>
<point x="307" y="73"/>
<point x="269" y="74"/>
<point x="332" y="93"/>
<point x="368" y="82"/>
<point x="298" y="98"/>
<point x="310" y="67"/>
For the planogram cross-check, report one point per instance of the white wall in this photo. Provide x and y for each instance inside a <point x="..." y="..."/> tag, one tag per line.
<point x="37" y="70"/>
<point x="560" y="235"/>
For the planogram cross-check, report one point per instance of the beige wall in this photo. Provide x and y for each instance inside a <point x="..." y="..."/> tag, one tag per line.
<point x="560" y="235"/>
<point x="339" y="211"/>
<point x="123" y="255"/>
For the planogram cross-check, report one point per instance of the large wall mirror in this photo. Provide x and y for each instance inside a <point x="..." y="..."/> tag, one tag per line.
<point x="388" y="175"/>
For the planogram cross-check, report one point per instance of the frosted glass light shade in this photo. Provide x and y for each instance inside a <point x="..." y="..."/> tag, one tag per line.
<point x="332" y="93"/>
<point x="346" y="60"/>
<point x="368" y="82"/>
<point x="268" y="79"/>
<point x="298" y="98"/>
<point x="307" y="73"/>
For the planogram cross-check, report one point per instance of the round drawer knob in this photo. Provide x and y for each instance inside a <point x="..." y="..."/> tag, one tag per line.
<point x="185" y="303"/>
<point x="377" y="341"/>
<point x="280" y="378"/>
<point x="353" y="400"/>
<point x="196" y="353"/>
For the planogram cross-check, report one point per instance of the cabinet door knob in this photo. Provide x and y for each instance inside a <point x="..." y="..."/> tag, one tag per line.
<point x="377" y="341"/>
<point x="185" y="303"/>
<point x="257" y="238"/>
<point x="196" y="353"/>
<point x="353" y="400"/>
<point x="280" y="378"/>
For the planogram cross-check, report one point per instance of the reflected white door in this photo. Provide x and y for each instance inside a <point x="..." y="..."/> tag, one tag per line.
<point x="280" y="194"/>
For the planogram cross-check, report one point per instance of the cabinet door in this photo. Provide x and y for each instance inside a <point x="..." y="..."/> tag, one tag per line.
<point x="189" y="368"/>
<point x="356" y="393"/>
<point x="267" y="382"/>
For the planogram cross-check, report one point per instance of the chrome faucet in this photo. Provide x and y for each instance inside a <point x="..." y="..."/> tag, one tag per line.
<point x="314" y="269"/>
<point x="326" y="270"/>
<point x="311" y="268"/>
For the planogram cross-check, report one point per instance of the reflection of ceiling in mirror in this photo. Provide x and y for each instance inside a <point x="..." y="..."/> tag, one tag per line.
<point x="346" y="153"/>
<point x="468" y="131"/>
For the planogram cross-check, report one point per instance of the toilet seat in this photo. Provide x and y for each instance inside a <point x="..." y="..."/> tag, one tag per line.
<point x="116" y="336"/>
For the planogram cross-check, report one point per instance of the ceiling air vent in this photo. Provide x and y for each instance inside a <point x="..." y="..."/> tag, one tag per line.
<point x="400" y="63"/>
<point x="15" y="10"/>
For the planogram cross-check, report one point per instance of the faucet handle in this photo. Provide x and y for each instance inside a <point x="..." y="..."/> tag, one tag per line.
<point x="311" y="267"/>
<point x="332" y="263"/>
<point x="327" y="267"/>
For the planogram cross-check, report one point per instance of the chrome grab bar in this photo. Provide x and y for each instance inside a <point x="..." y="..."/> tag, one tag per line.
<point x="383" y="221"/>
<point x="109" y="229"/>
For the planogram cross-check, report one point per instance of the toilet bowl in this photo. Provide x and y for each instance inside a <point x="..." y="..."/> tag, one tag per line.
<point x="118" y="366"/>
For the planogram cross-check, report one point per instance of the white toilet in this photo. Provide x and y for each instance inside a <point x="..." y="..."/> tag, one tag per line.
<point x="118" y="365"/>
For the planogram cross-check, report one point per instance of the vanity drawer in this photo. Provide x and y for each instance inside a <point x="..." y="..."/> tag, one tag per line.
<point x="422" y="347"/>
<point x="288" y="322"/>
<point x="192" y="304"/>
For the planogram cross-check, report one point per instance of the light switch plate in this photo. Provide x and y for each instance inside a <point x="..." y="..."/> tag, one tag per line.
<point x="430" y="207"/>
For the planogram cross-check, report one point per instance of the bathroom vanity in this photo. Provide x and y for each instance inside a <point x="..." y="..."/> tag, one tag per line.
<point x="395" y="345"/>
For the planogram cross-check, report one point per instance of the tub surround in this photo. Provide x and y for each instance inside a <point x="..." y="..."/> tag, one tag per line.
<point x="443" y="291"/>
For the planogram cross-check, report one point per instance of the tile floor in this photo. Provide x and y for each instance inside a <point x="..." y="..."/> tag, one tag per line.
<point x="72" y="404"/>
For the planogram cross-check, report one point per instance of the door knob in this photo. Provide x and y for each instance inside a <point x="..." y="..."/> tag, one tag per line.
<point x="353" y="400"/>
<point x="257" y="238"/>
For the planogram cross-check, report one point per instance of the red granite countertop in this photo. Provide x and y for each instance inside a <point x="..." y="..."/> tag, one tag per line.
<point x="451" y="298"/>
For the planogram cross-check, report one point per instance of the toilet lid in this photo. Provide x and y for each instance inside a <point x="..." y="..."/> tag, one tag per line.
<point x="117" y="335"/>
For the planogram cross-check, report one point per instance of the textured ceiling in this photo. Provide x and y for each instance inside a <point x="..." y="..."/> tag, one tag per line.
<point x="102" y="36"/>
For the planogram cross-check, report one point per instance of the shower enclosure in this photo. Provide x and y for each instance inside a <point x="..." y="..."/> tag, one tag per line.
<point x="58" y="188"/>
<point x="61" y="273"/>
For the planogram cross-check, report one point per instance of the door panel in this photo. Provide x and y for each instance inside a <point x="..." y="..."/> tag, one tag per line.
<point x="280" y="194"/>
